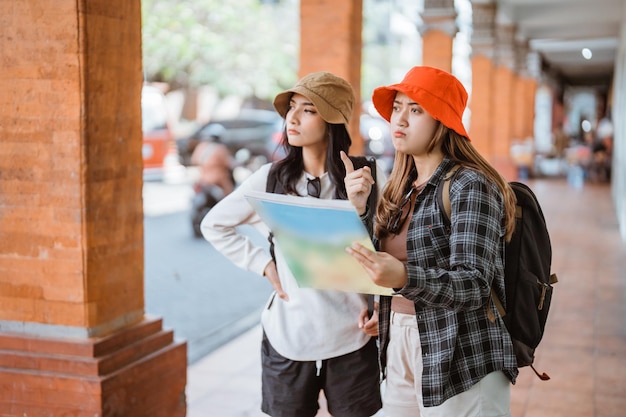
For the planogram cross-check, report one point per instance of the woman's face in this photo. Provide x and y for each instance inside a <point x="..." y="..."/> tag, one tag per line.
<point x="412" y="128"/>
<point x="304" y="125"/>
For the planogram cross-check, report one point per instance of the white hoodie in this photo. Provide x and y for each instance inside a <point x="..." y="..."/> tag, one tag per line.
<point x="314" y="324"/>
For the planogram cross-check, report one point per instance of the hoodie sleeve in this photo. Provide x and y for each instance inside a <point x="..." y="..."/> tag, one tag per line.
<point x="220" y="226"/>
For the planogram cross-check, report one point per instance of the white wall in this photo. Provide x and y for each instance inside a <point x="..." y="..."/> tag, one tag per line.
<point x="618" y="178"/>
<point x="542" y="129"/>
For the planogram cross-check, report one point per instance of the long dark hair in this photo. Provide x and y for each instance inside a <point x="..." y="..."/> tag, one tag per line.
<point x="289" y="169"/>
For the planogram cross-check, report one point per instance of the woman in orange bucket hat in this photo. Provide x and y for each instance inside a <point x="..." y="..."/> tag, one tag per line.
<point x="441" y="353"/>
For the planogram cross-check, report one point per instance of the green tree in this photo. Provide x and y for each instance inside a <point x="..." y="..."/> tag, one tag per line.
<point x="376" y="49"/>
<point x="240" y="47"/>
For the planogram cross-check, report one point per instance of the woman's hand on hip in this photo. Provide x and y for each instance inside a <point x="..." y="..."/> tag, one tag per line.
<point x="271" y="273"/>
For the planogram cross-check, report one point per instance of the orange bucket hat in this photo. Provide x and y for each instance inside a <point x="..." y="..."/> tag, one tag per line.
<point x="441" y="94"/>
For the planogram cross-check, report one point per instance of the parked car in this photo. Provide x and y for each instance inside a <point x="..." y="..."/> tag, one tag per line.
<point x="255" y="135"/>
<point x="252" y="133"/>
<point x="158" y="149"/>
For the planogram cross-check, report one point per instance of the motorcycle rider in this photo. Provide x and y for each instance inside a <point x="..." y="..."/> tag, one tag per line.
<point x="215" y="162"/>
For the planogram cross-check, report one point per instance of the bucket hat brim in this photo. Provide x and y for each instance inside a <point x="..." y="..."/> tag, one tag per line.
<point x="438" y="92"/>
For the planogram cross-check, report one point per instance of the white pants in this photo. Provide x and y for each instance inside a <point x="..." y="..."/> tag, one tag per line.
<point x="403" y="391"/>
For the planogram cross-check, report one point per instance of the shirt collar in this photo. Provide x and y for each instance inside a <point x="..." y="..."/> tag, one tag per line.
<point x="443" y="168"/>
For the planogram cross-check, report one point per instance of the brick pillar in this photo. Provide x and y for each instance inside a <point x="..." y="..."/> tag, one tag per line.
<point x="520" y="108"/>
<point x="481" y="101"/>
<point x="438" y="31"/>
<point x="520" y="113"/>
<point x="504" y="100"/>
<point x="525" y="89"/>
<point x="533" y="66"/>
<point x="73" y="336"/>
<point x="530" y="92"/>
<point x="330" y="40"/>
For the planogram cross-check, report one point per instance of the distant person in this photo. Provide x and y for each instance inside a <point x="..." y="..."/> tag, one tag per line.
<point x="313" y="340"/>
<point x="215" y="163"/>
<point x="442" y="353"/>
<point x="561" y="141"/>
<point x="602" y="152"/>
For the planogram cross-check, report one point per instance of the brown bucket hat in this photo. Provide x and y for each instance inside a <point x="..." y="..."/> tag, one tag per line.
<point x="332" y="96"/>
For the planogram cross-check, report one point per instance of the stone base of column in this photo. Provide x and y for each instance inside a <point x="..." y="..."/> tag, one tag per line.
<point x="138" y="371"/>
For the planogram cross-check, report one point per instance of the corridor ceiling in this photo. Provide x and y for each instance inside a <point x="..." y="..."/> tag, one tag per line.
<point x="560" y="29"/>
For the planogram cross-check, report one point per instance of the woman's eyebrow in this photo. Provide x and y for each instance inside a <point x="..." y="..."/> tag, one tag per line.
<point x="410" y="103"/>
<point x="304" y="103"/>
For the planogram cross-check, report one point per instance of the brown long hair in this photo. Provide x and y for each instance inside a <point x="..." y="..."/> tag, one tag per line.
<point x="459" y="150"/>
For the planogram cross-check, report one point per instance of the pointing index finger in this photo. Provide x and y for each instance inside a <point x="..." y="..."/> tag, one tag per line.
<point x="347" y="162"/>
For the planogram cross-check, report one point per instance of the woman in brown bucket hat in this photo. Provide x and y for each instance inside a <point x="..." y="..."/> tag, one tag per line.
<point x="439" y="348"/>
<point x="313" y="340"/>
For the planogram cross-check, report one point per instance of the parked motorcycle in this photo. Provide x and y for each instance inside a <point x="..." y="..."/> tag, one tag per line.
<point x="204" y="198"/>
<point x="219" y="173"/>
<point x="215" y="178"/>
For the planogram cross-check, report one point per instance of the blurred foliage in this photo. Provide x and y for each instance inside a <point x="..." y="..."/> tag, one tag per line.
<point x="251" y="47"/>
<point x="376" y="61"/>
<point x="240" y="47"/>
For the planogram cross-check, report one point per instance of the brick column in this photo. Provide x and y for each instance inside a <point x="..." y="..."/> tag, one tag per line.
<point x="525" y="89"/>
<point x="438" y="31"/>
<point x="73" y="336"/>
<point x="481" y="101"/>
<point x="330" y="40"/>
<point x="504" y="100"/>
<point x="533" y="71"/>
<point x="520" y="107"/>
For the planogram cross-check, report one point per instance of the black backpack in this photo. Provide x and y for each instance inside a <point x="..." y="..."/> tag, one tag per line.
<point x="527" y="278"/>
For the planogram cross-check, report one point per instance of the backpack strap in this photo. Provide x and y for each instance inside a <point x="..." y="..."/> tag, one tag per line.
<point x="272" y="186"/>
<point x="498" y="304"/>
<point x="360" y="162"/>
<point x="443" y="198"/>
<point x="443" y="195"/>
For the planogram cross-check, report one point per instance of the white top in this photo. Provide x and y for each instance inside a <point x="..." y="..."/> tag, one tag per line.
<point x="314" y="324"/>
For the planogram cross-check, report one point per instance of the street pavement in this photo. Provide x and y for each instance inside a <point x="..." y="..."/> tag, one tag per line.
<point x="201" y="295"/>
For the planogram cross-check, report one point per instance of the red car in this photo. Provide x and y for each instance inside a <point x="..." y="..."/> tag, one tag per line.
<point x="159" y="147"/>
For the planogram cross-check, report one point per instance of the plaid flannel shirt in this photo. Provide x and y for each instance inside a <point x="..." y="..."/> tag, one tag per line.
<point x="450" y="273"/>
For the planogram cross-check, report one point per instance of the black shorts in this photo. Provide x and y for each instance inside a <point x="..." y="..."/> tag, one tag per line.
<point x="350" y="382"/>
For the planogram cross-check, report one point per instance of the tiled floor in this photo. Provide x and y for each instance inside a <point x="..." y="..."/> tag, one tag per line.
<point x="583" y="351"/>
